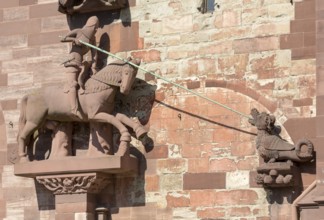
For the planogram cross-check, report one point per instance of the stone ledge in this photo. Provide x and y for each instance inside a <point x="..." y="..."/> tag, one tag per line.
<point x="73" y="165"/>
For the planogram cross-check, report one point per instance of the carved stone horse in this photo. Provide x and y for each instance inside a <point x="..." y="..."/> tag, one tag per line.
<point x="96" y="104"/>
<point x="271" y="147"/>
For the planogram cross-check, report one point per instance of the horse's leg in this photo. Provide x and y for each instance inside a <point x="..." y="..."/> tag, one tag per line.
<point x="125" y="137"/>
<point x="23" y="138"/>
<point x="139" y="129"/>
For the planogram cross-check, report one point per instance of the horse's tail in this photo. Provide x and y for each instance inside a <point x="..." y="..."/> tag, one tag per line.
<point x="22" y="118"/>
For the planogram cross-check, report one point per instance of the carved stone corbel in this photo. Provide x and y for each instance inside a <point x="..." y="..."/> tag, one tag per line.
<point x="74" y="183"/>
<point x="280" y="157"/>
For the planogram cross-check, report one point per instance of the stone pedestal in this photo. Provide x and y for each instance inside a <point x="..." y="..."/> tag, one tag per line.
<point x="75" y="181"/>
<point x="278" y="174"/>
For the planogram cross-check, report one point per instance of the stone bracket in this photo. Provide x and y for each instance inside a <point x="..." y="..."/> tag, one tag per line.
<point x="125" y="165"/>
<point x="278" y="174"/>
<point x="75" y="183"/>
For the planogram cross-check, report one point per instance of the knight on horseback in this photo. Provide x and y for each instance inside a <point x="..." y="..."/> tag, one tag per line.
<point x="75" y="65"/>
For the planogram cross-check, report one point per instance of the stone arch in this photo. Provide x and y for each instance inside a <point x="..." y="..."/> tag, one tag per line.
<point x="240" y="87"/>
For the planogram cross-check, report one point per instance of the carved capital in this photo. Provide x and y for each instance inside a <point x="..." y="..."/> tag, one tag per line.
<point x="74" y="183"/>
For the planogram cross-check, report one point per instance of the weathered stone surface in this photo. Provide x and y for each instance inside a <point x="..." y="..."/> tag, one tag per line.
<point x="247" y="53"/>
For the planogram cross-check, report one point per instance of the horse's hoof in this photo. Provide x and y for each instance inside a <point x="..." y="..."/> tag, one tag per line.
<point x="140" y="132"/>
<point x="147" y="143"/>
<point x="24" y="159"/>
<point x="123" y="149"/>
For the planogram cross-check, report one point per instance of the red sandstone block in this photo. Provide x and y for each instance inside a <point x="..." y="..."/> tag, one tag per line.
<point x="202" y="198"/>
<point x="305" y="52"/>
<point x="200" y="136"/>
<point x="45" y="38"/>
<point x="64" y="216"/>
<point x="236" y="197"/>
<point x="271" y="105"/>
<point x="178" y="200"/>
<point x="309" y="39"/>
<point x="171" y="124"/>
<point x="198" y="165"/>
<point x="305" y="10"/>
<point x="293" y="40"/>
<point x="302" y="102"/>
<point x="263" y="63"/>
<point x="148" y="56"/>
<point x="44" y="10"/>
<point x="217" y="48"/>
<point x="211" y="213"/>
<point x="222" y="165"/>
<point x="248" y="163"/>
<point x="72" y="207"/>
<point x="171" y="165"/>
<point x="266" y="218"/>
<point x="31" y="26"/>
<point x="216" y="83"/>
<point x="149" y="77"/>
<point x="225" y="135"/>
<point x="152" y="183"/>
<point x="122" y="38"/>
<point x="27" y="2"/>
<point x="3" y="79"/>
<point x="9" y="105"/>
<point x="158" y="152"/>
<point x="8" y="4"/>
<point x="191" y="151"/>
<point x="242" y="149"/>
<point x="177" y="136"/>
<point x="193" y="181"/>
<point x="238" y="62"/>
<point x="240" y="211"/>
<point x="25" y="52"/>
<point x="256" y="44"/>
<point x="140" y="43"/>
<point x="193" y="85"/>
<point x="302" y="25"/>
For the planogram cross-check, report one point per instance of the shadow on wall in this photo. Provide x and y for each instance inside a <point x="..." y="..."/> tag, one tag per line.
<point x="129" y="191"/>
<point x="205" y="119"/>
<point x="289" y="194"/>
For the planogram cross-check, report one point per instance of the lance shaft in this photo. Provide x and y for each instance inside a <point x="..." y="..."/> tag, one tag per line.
<point x="166" y="80"/>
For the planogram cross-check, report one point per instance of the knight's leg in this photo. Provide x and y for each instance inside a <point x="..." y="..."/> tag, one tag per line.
<point x="23" y="139"/>
<point x="135" y="125"/>
<point x="72" y="85"/>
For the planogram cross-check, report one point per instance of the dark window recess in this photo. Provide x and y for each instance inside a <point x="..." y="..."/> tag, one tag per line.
<point x="207" y="6"/>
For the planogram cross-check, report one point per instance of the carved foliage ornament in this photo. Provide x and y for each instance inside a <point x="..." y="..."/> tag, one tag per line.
<point x="74" y="184"/>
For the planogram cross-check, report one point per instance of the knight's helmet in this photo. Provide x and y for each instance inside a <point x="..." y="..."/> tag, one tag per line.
<point x="89" y="29"/>
<point x="92" y="21"/>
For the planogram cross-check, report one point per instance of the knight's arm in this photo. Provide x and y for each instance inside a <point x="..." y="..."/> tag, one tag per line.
<point x="70" y="37"/>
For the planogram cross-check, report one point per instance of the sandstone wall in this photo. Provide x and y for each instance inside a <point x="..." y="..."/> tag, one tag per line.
<point x="247" y="53"/>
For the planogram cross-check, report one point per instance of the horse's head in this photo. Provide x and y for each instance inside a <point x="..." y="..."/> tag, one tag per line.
<point x="128" y="76"/>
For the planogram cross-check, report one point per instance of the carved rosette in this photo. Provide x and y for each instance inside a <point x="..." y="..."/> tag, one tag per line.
<point x="74" y="184"/>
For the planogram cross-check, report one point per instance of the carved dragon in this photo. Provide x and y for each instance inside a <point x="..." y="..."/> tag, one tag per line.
<point x="272" y="147"/>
